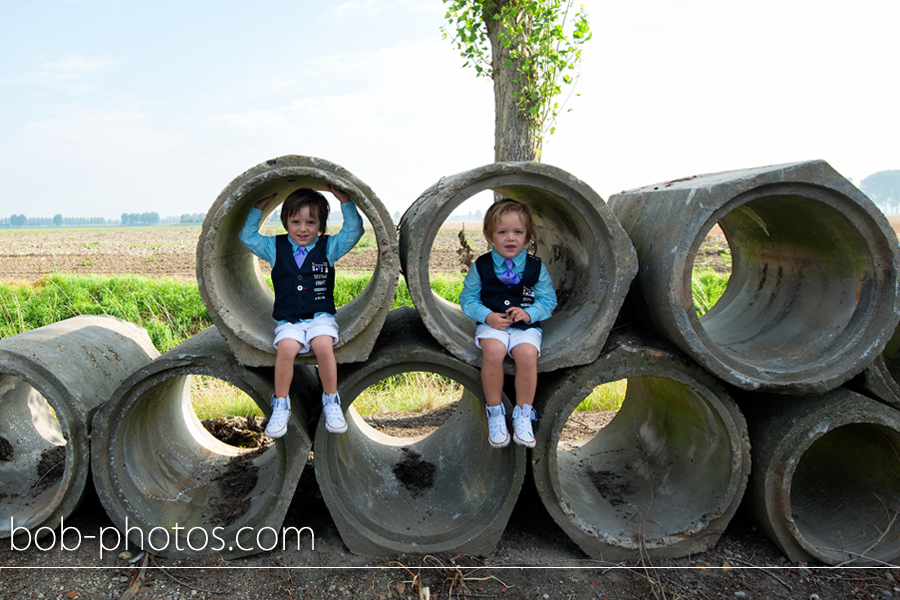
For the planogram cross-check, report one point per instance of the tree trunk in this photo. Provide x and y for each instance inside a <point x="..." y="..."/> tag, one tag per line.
<point x="515" y="139"/>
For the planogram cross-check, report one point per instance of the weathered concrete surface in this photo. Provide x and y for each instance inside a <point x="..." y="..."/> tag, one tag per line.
<point x="447" y="492"/>
<point x="812" y="298"/>
<point x="173" y="488"/>
<point x="664" y="478"/>
<point x="238" y="300"/>
<point x="825" y="485"/>
<point x="588" y="255"/>
<point x="52" y="379"/>
<point x="881" y="379"/>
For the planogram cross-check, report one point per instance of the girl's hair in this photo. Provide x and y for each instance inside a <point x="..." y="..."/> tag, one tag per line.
<point x="500" y="208"/>
<point x="294" y="203"/>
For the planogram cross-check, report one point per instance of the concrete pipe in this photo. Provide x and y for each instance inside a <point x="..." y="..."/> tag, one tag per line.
<point x="231" y="284"/>
<point x="881" y="379"/>
<point x="811" y="300"/>
<point x="588" y="255"/>
<point x="446" y="492"/>
<point x="52" y="379"/>
<point x="825" y="485"/>
<point x="664" y="477"/>
<point x="175" y="490"/>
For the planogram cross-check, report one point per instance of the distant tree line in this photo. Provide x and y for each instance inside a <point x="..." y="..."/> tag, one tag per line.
<point x="127" y="219"/>
<point x="883" y="188"/>
<point x="147" y="218"/>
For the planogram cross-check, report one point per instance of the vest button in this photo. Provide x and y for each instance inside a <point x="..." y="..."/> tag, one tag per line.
<point x="299" y="277"/>
<point x="299" y="288"/>
<point x="506" y="302"/>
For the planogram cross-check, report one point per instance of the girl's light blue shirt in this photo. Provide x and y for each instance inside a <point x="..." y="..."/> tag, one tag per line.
<point x="544" y="294"/>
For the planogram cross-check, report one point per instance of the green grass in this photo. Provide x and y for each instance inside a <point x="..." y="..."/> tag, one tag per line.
<point x="707" y="286"/>
<point x="171" y="311"/>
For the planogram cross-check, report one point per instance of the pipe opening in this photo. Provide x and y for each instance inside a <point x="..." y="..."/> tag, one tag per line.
<point x="450" y="483"/>
<point x="409" y="405"/>
<point x="33" y="455"/>
<point x="175" y="473"/>
<point x="844" y="493"/>
<point x="798" y="289"/>
<point x="655" y="473"/>
<point x="593" y="414"/>
<point x="711" y="270"/>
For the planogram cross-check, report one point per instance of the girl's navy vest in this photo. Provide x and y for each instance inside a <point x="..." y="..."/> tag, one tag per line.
<point x="300" y="293"/>
<point x="499" y="297"/>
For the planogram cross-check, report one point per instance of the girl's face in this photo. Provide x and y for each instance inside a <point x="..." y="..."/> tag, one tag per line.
<point x="303" y="227"/>
<point x="509" y="236"/>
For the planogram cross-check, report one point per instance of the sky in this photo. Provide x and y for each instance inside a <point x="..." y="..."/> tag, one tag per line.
<point x="114" y="106"/>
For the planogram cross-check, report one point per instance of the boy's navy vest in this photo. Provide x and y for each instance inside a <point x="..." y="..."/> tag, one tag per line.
<point x="300" y="293"/>
<point x="499" y="297"/>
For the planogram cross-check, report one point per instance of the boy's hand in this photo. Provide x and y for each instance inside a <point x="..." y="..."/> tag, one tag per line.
<point x="262" y="204"/>
<point x="341" y="196"/>
<point x="498" y="321"/>
<point x="517" y="314"/>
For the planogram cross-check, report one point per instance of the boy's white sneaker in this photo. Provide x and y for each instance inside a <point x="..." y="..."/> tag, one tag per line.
<point x="498" y="434"/>
<point x="334" y="416"/>
<point x="281" y="413"/>
<point x="522" y="418"/>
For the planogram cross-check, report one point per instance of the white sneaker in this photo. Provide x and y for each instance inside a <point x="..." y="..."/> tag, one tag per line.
<point x="522" y="418"/>
<point x="281" y="413"/>
<point x="498" y="435"/>
<point x="334" y="416"/>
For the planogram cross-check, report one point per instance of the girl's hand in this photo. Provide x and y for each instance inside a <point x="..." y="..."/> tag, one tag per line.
<point x="498" y="321"/>
<point x="517" y="314"/>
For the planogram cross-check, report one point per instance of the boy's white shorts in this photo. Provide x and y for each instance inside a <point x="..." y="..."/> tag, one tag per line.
<point x="304" y="331"/>
<point x="511" y="336"/>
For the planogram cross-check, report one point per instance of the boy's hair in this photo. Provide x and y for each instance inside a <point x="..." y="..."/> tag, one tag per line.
<point x="294" y="203"/>
<point x="500" y="208"/>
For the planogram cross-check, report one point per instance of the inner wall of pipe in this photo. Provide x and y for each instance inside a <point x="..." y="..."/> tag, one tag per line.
<point x="798" y="274"/>
<point x="447" y="482"/>
<point x="175" y="472"/>
<point x="657" y="469"/>
<point x="845" y="490"/>
<point x="32" y="454"/>
<point x="240" y="284"/>
<point x="566" y="243"/>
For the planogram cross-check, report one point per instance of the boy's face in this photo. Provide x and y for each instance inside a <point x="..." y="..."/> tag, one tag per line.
<point x="509" y="236"/>
<point x="303" y="227"/>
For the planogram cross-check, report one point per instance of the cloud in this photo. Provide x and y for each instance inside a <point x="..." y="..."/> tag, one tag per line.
<point x="353" y="8"/>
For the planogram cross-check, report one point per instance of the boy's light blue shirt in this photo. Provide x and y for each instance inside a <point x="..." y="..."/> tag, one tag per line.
<point x="544" y="294"/>
<point x="336" y="246"/>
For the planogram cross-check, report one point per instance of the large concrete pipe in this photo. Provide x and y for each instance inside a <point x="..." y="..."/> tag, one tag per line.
<point x="664" y="477"/>
<point x="825" y="485"/>
<point x="447" y="492"/>
<point x="52" y="379"/>
<point x="590" y="259"/>
<point x="811" y="300"/>
<point x="232" y="287"/>
<point x="881" y="379"/>
<point x="172" y="488"/>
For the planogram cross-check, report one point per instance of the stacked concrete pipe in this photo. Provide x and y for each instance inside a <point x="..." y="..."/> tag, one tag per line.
<point x="588" y="255"/>
<point x="825" y="485"/>
<point x="174" y="489"/>
<point x="447" y="492"/>
<point x="231" y="284"/>
<point x="52" y="379"/>
<point x="881" y="379"/>
<point x="812" y="297"/>
<point x="664" y="477"/>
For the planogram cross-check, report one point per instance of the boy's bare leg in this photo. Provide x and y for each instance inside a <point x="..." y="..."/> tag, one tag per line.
<point x="492" y="354"/>
<point x="323" y="346"/>
<point x="525" y="356"/>
<point x="284" y="366"/>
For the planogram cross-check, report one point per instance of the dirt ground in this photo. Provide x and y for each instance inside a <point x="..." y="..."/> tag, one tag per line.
<point x="533" y="560"/>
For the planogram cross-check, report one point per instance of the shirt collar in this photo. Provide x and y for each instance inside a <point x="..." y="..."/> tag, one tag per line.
<point x="309" y="247"/>
<point x="518" y="259"/>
